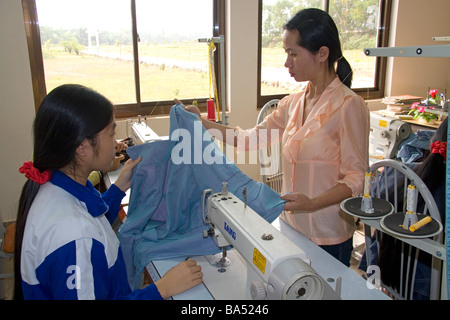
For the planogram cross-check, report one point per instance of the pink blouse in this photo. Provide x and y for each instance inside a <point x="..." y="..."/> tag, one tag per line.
<point x="331" y="147"/>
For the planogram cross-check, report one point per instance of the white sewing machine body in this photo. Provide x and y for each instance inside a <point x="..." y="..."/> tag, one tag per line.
<point x="388" y="133"/>
<point x="276" y="267"/>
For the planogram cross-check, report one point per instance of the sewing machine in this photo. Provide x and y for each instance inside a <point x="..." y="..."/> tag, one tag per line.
<point x="276" y="267"/>
<point x="142" y="133"/>
<point x="387" y="134"/>
<point x="231" y="282"/>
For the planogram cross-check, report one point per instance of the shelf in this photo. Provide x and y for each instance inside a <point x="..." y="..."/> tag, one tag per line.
<point x="434" y="51"/>
<point x="437" y="110"/>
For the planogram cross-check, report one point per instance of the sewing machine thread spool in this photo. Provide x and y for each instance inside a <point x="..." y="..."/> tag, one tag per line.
<point x="224" y="188"/>
<point x="211" y="110"/>
<point x="419" y="224"/>
<point x="410" y="215"/>
<point x="366" y="203"/>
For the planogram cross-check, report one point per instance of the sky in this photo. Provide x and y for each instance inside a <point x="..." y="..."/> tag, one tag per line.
<point x="168" y="15"/>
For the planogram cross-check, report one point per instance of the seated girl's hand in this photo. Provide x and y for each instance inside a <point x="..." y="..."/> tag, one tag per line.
<point x="183" y="276"/>
<point x="123" y="181"/>
<point x="121" y="146"/>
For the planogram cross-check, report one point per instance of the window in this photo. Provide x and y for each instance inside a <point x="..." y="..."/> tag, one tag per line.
<point x="361" y="24"/>
<point x="86" y="44"/>
<point x="140" y="54"/>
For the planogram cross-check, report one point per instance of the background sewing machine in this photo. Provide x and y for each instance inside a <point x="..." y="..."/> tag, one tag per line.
<point x="386" y="136"/>
<point x="142" y="133"/>
<point x="264" y="263"/>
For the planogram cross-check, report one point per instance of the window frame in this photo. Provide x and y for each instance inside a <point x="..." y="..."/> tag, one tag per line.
<point x="375" y="92"/>
<point x="126" y="110"/>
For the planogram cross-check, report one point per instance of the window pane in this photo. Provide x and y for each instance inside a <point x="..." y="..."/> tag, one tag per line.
<point x="275" y="78"/>
<point x="173" y="64"/>
<point x="88" y="42"/>
<point x="357" y="22"/>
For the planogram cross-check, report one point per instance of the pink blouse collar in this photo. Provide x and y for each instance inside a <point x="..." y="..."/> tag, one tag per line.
<point x="329" y="102"/>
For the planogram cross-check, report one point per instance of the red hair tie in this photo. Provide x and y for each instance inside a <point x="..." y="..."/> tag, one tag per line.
<point x="439" y="147"/>
<point x="34" y="174"/>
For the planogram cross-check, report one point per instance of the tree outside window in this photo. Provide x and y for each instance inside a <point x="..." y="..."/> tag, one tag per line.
<point x="359" y="26"/>
<point x="141" y="54"/>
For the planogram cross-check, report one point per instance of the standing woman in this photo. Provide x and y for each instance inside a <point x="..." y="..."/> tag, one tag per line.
<point x="324" y="131"/>
<point x="65" y="246"/>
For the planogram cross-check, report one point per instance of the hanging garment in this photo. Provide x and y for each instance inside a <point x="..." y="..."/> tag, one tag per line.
<point x="412" y="148"/>
<point x="164" y="217"/>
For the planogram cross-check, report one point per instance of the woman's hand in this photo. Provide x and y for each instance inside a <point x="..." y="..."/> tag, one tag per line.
<point x="123" y="181"/>
<point x="193" y="109"/>
<point x="183" y="276"/>
<point x="190" y="108"/>
<point x="298" y="202"/>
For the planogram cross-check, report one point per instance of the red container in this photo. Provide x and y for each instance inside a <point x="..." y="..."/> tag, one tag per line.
<point x="211" y="110"/>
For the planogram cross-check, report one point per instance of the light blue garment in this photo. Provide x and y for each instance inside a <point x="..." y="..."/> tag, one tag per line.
<point x="164" y="217"/>
<point x="411" y="149"/>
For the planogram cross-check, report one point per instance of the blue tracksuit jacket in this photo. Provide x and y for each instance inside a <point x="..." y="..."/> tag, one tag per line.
<point x="69" y="249"/>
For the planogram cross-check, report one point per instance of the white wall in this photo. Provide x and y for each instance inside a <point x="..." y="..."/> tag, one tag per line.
<point x="414" y="23"/>
<point x="16" y="106"/>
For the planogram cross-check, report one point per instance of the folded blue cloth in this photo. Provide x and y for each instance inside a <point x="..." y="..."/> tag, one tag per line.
<point x="164" y="217"/>
<point x="411" y="149"/>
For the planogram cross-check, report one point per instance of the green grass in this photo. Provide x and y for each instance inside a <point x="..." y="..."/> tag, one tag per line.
<point x="115" y="78"/>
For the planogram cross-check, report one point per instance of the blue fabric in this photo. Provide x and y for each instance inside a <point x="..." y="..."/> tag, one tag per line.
<point x="411" y="149"/>
<point x="164" y="217"/>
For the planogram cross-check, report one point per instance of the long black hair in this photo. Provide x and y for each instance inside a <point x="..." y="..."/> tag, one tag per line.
<point x="317" y="29"/>
<point x="432" y="169"/>
<point x="67" y="116"/>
